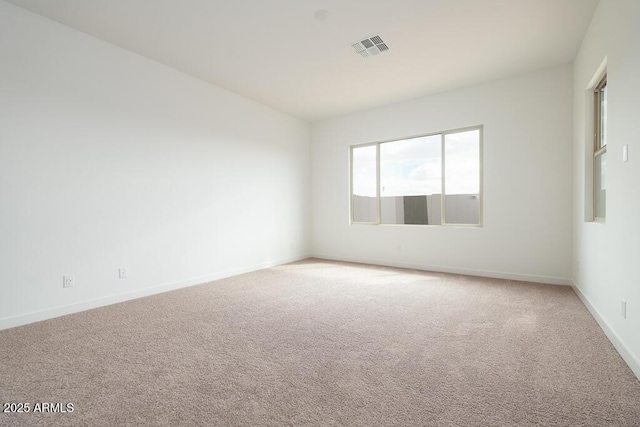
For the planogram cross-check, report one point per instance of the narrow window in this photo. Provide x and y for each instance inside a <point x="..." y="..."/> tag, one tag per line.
<point x="600" y="149"/>
<point x="462" y="177"/>
<point x="364" y="178"/>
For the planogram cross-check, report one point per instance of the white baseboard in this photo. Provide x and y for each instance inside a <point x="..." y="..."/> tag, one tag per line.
<point x="50" y="313"/>
<point x="455" y="270"/>
<point x="627" y="356"/>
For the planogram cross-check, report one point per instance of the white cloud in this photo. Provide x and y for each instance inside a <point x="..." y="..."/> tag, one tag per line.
<point x="413" y="166"/>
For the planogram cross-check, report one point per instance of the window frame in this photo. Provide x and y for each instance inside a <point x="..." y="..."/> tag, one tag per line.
<point x="443" y="223"/>
<point x="599" y="149"/>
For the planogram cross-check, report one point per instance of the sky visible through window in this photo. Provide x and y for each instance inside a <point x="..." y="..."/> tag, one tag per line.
<point x="412" y="167"/>
<point x="462" y="162"/>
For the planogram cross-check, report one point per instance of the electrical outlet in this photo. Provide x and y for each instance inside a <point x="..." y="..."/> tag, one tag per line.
<point x="122" y="273"/>
<point x="67" y="281"/>
<point x="623" y="309"/>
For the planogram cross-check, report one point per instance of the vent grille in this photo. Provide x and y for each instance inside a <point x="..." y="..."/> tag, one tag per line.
<point x="370" y="46"/>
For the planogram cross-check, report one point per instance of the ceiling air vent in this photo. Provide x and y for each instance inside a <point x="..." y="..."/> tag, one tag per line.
<point x="370" y="46"/>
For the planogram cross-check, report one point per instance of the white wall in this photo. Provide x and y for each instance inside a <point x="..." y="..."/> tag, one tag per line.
<point x="609" y="254"/>
<point x="109" y="160"/>
<point x="527" y="181"/>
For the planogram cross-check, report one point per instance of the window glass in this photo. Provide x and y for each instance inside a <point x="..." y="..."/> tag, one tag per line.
<point x="410" y="181"/>
<point x="603" y="116"/>
<point x="414" y="173"/>
<point x="363" y="205"/>
<point x="462" y="177"/>
<point x="600" y="150"/>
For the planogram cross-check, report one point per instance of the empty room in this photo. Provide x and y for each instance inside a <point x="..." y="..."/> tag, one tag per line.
<point x="320" y="212"/>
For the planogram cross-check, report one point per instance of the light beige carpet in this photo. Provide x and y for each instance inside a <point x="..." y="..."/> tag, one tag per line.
<point x="326" y="343"/>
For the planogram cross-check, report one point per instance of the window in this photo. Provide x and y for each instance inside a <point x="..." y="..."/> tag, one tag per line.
<point x="430" y="180"/>
<point x="364" y="181"/>
<point x="600" y="149"/>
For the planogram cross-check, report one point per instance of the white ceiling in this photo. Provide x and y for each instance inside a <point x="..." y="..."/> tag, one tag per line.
<point x="277" y="53"/>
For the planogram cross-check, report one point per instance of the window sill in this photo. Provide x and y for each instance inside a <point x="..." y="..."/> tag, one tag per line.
<point x="421" y="225"/>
